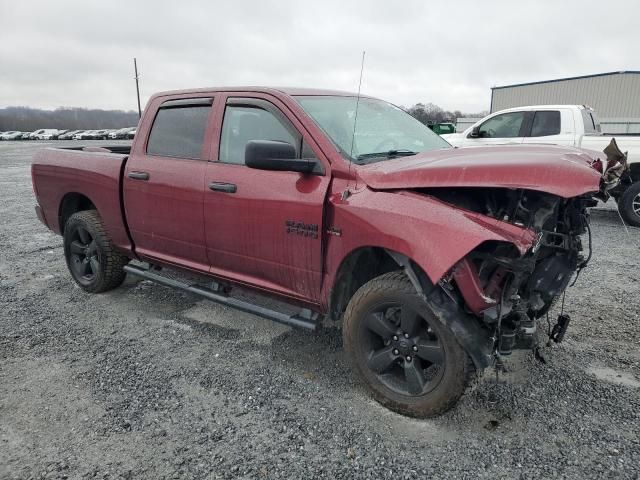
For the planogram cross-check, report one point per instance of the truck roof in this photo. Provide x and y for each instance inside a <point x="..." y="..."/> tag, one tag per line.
<point x="286" y="90"/>
<point x="544" y="107"/>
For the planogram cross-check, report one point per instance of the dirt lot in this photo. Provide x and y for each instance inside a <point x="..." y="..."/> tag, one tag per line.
<point x="147" y="382"/>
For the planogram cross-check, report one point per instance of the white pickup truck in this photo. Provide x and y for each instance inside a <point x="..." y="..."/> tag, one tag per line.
<point x="570" y="125"/>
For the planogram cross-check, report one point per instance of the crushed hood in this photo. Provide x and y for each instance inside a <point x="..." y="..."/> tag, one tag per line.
<point x="566" y="172"/>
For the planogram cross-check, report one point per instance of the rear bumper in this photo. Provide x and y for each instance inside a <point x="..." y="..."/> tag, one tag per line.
<point x="40" y="215"/>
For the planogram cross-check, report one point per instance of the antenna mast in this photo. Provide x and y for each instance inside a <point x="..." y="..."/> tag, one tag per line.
<point x="355" y="121"/>
<point x="135" y="68"/>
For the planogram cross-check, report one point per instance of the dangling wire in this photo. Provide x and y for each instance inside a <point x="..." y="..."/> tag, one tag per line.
<point x="586" y="261"/>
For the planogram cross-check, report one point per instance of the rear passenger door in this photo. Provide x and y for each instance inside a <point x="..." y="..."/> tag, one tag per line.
<point x="264" y="227"/>
<point x="164" y="183"/>
<point x="551" y="127"/>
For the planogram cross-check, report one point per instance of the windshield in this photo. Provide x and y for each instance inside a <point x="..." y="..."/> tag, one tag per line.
<point x="383" y="131"/>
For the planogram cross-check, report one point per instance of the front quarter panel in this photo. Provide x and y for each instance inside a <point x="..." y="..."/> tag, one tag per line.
<point x="433" y="234"/>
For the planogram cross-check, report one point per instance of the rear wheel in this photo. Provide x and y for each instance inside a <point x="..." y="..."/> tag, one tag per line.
<point x="91" y="258"/>
<point x="409" y="361"/>
<point x="629" y="204"/>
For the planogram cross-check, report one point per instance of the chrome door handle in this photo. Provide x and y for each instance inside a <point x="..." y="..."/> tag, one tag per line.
<point x="223" y="187"/>
<point x="138" y="175"/>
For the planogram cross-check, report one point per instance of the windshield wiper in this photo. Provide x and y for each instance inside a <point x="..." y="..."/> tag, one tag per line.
<point x="387" y="154"/>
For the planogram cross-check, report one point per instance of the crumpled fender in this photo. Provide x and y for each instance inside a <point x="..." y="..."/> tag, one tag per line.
<point x="433" y="234"/>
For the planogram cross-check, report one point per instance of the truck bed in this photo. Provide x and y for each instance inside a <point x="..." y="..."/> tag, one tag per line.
<point x="62" y="176"/>
<point x="629" y="144"/>
<point x="120" y="149"/>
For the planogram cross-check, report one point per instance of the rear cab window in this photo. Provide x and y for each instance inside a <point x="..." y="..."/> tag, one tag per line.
<point x="179" y="128"/>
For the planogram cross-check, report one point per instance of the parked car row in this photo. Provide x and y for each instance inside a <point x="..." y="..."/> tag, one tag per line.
<point x="55" y="134"/>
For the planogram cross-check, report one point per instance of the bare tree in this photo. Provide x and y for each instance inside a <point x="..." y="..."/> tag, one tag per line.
<point x="429" y="113"/>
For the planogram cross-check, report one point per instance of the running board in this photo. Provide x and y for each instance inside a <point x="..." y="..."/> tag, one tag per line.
<point x="304" y="319"/>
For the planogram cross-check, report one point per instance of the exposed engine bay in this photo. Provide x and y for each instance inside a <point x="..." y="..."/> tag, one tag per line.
<point x="507" y="291"/>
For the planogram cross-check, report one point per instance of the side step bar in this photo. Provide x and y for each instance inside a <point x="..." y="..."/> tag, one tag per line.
<point x="304" y="319"/>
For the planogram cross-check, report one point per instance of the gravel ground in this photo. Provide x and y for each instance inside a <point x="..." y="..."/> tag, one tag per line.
<point x="147" y="382"/>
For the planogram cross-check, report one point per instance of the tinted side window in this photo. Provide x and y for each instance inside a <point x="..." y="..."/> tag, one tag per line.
<point x="179" y="131"/>
<point x="242" y="124"/>
<point x="545" y="123"/>
<point x="506" y="125"/>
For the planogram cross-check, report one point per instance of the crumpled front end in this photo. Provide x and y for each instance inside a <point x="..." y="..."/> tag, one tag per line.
<point x="509" y="289"/>
<point x="506" y="288"/>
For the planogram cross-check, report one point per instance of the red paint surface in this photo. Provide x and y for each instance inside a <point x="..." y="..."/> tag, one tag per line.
<point x="95" y="175"/>
<point x="467" y="279"/>
<point x="174" y="218"/>
<point x="561" y="171"/>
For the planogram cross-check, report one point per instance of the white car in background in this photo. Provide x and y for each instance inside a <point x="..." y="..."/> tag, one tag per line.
<point x="44" y="134"/>
<point x="11" y="135"/>
<point x="121" y="133"/>
<point x="33" y="135"/>
<point x="84" y="135"/>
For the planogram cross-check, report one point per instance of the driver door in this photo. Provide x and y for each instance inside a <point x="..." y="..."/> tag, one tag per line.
<point x="264" y="228"/>
<point x="505" y="128"/>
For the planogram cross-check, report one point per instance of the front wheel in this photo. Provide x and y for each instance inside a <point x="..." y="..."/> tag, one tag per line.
<point x="629" y="204"/>
<point x="410" y="362"/>
<point x="91" y="258"/>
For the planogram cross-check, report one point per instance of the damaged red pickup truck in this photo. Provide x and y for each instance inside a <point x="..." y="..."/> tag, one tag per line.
<point x="438" y="260"/>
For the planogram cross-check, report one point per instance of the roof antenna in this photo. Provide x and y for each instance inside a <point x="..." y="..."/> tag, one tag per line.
<point x="345" y="194"/>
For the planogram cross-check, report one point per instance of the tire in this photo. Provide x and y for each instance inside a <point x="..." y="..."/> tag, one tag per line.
<point x="375" y="321"/>
<point x="91" y="258"/>
<point x="629" y="204"/>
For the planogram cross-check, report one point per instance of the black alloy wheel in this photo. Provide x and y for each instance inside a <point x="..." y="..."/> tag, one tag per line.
<point x="402" y="349"/>
<point x="410" y="361"/>
<point x="92" y="259"/>
<point x="83" y="259"/>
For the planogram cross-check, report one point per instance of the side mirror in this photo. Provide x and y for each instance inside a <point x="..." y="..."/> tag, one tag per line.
<point x="274" y="155"/>
<point x="475" y="132"/>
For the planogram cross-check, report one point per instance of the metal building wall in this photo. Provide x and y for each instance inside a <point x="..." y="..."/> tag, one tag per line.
<point x="614" y="95"/>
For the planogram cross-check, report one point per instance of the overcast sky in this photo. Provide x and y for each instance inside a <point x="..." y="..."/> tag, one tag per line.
<point x="79" y="53"/>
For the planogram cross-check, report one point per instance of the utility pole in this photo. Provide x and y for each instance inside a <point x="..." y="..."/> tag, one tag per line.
<point x="135" y="67"/>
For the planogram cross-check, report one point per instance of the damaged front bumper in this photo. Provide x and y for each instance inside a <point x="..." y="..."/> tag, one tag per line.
<point x="509" y="290"/>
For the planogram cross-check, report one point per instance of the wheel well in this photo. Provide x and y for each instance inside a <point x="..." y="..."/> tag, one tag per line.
<point x="356" y="269"/>
<point x="634" y="170"/>
<point x="72" y="203"/>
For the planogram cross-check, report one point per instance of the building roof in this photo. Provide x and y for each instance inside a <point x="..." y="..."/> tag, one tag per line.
<point x="633" y="72"/>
